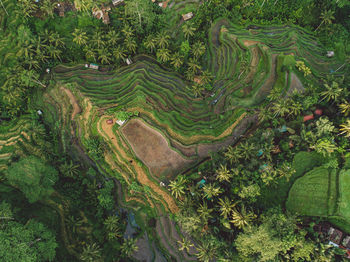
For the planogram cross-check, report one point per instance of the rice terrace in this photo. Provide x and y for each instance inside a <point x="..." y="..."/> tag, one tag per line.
<point x="175" y="131"/>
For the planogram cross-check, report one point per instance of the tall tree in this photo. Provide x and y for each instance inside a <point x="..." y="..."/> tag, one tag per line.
<point x="188" y="29"/>
<point x="33" y="177"/>
<point x="79" y="37"/>
<point x="327" y="18"/>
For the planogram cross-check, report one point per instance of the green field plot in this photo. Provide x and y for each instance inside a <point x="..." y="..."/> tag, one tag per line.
<point x="309" y="194"/>
<point x="344" y="194"/>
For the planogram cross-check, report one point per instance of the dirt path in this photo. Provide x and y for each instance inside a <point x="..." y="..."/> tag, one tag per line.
<point x="140" y="173"/>
<point x="73" y="101"/>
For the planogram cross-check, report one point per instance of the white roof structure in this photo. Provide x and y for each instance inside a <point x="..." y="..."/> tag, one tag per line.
<point x="93" y="66"/>
<point x="39" y="112"/>
<point x="330" y="53"/>
<point x="187" y="16"/>
<point x="117" y="2"/>
<point x="128" y="61"/>
<point x="119" y="122"/>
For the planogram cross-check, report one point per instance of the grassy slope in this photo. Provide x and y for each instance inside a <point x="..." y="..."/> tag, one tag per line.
<point x="309" y="194"/>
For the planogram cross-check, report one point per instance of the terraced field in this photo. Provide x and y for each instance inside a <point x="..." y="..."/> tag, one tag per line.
<point x="174" y="129"/>
<point x="20" y="138"/>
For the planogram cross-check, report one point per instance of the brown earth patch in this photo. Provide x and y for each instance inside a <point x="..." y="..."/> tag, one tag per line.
<point x="250" y="42"/>
<point x="106" y="131"/>
<point x="152" y="148"/>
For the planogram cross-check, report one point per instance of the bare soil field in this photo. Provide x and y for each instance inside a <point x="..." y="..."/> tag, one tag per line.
<point x="153" y="149"/>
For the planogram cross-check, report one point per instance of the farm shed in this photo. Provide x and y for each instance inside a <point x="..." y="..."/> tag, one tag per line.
<point x="117" y="2"/>
<point x="187" y="16"/>
<point x="335" y="235"/>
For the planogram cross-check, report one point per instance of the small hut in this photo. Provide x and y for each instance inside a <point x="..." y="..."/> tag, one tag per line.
<point x="120" y="122"/>
<point x="93" y="66"/>
<point x="330" y="54"/>
<point x="109" y="121"/>
<point x="128" y="61"/>
<point x="187" y="16"/>
<point x="117" y="2"/>
<point x="335" y="235"/>
<point x="308" y="117"/>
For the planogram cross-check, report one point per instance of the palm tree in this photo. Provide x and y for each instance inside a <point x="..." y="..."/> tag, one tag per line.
<point x="74" y="223"/>
<point x="69" y="169"/>
<point x="226" y="206"/>
<point x="91" y="253"/>
<point x="31" y="63"/>
<point x="97" y="40"/>
<point x="150" y="43"/>
<point x="223" y="174"/>
<point x="211" y="190"/>
<point x="79" y="37"/>
<point x="246" y="149"/>
<point x="345" y="129"/>
<point x="177" y="186"/>
<point x="326" y="17"/>
<point x="113" y="228"/>
<point x="206" y="252"/>
<point x="177" y="60"/>
<point x="242" y="218"/>
<point x="206" y="77"/>
<point x="112" y="38"/>
<point x="90" y="54"/>
<point x="128" y="31"/>
<point x="54" y="52"/>
<point x="332" y="92"/>
<point x="281" y="107"/>
<point x="119" y="53"/>
<point x="345" y="108"/>
<point x="204" y="211"/>
<point x="130" y="44"/>
<point x="47" y="7"/>
<point x="129" y="246"/>
<point x="41" y="56"/>
<point x="56" y="39"/>
<point x="163" y="55"/>
<point x="197" y="90"/>
<point x="188" y="29"/>
<point x="198" y="49"/>
<point x="104" y="56"/>
<point x="26" y="49"/>
<point x="27" y="8"/>
<point x="193" y="65"/>
<point x="162" y="39"/>
<point x="232" y="155"/>
<point x="185" y="244"/>
<point x="295" y="108"/>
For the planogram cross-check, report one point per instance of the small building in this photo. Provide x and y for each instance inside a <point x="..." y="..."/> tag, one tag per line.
<point x="330" y="54"/>
<point x="335" y="235"/>
<point x="346" y="242"/>
<point x="117" y="2"/>
<point x="187" y="16"/>
<point x="39" y="112"/>
<point x="109" y="121"/>
<point x="128" y="61"/>
<point x="308" y="117"/>
<point x="318" y="112"/>
<point x="120" y="122"/>
<point x="86" y="65"/>
<point x="93" y="66"/>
